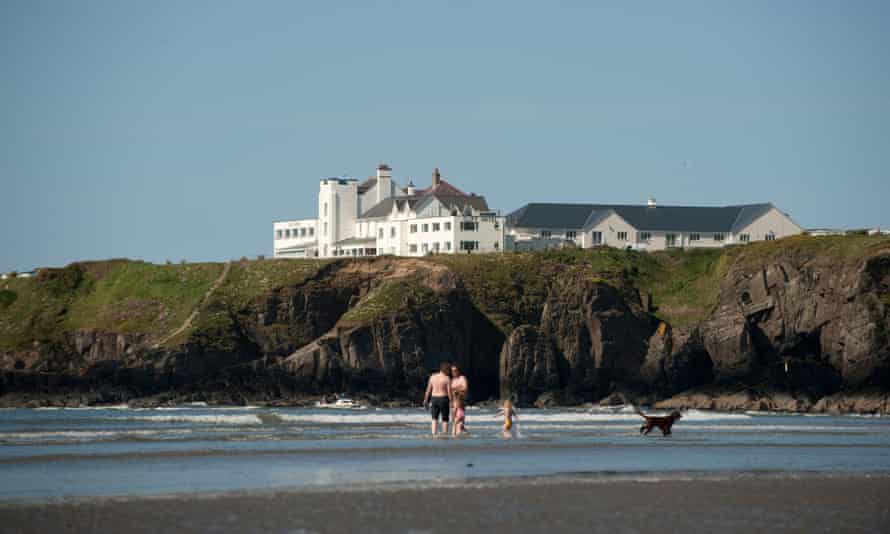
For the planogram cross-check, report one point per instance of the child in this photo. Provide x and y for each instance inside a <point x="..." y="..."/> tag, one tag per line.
<point x="508" y="413"/>
<point x="459" y="414"/>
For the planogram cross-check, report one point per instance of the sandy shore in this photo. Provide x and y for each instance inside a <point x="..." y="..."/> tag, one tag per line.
<point x="750" y="503"/>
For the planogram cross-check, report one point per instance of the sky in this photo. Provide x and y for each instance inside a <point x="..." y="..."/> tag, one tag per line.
<point x="180" y="130"/>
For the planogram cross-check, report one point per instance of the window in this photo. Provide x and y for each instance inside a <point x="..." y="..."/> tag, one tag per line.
<point x="469" y="226"/>
<point x="435" y="247"/>
<point x="413" y="228"/>
<point x="718" y="237"/>
<point x="392" y="231"/>
<point x="497" y="245"/>
<point x="302" y="232"/>
<point x="694" y="237"/>
<point x="425" y="247"/>
<point x="380" y="233"/>
<point x="447" y="244"/>
<point x="644" y="237"/>
<point x="770" y="237"/>
<point x="311" y="232"/>
<point x="596" y="238"/>
<point x="325" y="209"/>
<point x="545" y="234"/>
<point x="744" y="238"/>
<point x="287" y="233"/>
<point x="570" y="235"/>
<point x="436" y="227"/>
<point x="469" y="245"/>
<point x="325" y="228"/>
<point x="426" y="228"/>
<point x="622" y="236"/>
<point x="412" y="248"/>
<point x="670" y="240"/>
<point x="278" y="234"/>
<point x="447" y="226"/>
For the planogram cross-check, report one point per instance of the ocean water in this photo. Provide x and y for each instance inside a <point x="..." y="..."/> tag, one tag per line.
<point x="120" y="451"/>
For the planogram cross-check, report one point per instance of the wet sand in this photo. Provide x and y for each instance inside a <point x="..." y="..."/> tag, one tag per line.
<point x="616" y="504"/>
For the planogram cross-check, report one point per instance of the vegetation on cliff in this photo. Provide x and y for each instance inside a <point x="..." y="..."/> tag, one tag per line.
<point x="137" y="297"/>
<point x="810" y="316"/>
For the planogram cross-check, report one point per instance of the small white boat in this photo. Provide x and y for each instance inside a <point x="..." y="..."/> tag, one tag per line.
<point x="342" y="402"/>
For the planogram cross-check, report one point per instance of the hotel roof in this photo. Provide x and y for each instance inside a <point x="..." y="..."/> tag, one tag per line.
<point x="641" y="217"/>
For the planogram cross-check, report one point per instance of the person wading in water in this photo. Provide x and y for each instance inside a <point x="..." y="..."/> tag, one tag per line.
<point x="459" y="395"/>
<point x="438" y="393"/>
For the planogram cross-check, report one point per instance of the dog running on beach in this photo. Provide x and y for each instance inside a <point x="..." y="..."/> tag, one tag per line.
<point x="664" y="423"/>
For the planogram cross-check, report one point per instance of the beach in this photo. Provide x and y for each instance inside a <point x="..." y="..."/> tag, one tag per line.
<point x="641" y="504"/>
<point x="249" y="469"/>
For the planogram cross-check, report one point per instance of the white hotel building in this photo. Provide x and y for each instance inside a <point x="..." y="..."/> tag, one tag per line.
<point x="649" y="227"/>
<point x="377" y="217"/>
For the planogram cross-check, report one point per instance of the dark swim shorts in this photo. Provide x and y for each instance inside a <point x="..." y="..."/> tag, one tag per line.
<point x="439" y="406"/>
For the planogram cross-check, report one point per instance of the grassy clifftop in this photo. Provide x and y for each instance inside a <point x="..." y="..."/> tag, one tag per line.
<point x="130" y="296"/>
<point x="154" y="300"/>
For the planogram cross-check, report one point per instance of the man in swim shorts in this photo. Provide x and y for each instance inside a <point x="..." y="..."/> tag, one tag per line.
<point x="438" y="391"/>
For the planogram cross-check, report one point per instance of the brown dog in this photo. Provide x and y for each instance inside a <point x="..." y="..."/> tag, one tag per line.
<point x="664" y="423"/>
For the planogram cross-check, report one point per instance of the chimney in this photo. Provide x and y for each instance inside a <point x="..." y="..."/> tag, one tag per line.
<point x="651" y="202"/>
<point x="437" y="178"/>
<point x="411" y="189"/>
<point x="384" y="182"/>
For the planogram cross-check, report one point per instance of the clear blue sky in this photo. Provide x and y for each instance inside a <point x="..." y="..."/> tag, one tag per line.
<point x="181" y="130"/>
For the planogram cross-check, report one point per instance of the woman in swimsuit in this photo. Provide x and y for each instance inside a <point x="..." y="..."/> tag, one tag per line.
<point x="459" y="414"/>
<point x="458" y="386"/>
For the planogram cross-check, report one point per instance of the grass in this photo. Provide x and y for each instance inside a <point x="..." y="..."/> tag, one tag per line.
<point x="510" y="289"/>
<point x="844" y="248"/>
<point x="119" y="296"/>
<point x="389" y="297"/>
<point x="684" y="284"/>
<point x="141" y="297"/>
<point x="246" y="284"/>
<point x="249" y="280"/>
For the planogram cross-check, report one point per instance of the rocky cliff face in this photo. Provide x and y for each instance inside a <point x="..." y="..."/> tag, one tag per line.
<point x="590" y="335"/>
<point x="802" y="322"/>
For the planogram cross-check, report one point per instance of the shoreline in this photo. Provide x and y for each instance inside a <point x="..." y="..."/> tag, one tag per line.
<point x="736" y="400"/>
<point x="641" y="502"/>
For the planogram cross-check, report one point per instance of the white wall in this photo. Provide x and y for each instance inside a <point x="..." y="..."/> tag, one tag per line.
<point x="300" y="234"/>
<point x="430" y="237"/>
<point x="610" y="227"/>
<point x="772" y="221"/>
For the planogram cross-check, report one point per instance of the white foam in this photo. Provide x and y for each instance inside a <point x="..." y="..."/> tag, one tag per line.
<point x="109" y="407"/>
<point x="83" y="435"/>
<point x="538" y="416"/>
<point x="227" y="419"/>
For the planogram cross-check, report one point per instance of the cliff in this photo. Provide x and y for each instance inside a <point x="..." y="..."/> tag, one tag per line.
<point x="800" y="323"/>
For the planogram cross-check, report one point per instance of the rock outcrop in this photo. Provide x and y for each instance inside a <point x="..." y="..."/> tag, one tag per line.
<point x="808" y="328"/>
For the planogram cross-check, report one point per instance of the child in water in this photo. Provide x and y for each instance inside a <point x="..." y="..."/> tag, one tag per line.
<point x="460" y="415"/>
<point x="508" y="414"/>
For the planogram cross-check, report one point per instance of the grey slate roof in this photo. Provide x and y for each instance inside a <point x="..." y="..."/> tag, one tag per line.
<point x="367" y="184"/>
<point x="660" y="218"/>
<point x="416" y="202"/>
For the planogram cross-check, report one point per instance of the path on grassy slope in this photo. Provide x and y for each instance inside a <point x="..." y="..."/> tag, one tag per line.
<point x="188" y="321"/>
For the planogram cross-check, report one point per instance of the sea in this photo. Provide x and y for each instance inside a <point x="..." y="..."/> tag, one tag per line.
<point x="58" y="453"/>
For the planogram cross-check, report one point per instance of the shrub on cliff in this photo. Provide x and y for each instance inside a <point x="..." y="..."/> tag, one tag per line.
<point x="7" y="297"/>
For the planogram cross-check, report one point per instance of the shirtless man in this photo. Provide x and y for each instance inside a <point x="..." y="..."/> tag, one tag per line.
<point x="438" y="392"/>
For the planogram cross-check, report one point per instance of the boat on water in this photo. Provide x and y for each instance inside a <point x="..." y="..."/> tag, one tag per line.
<point x="342" y="402"/>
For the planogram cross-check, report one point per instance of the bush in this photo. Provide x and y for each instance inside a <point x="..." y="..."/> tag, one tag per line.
<point x="60" y="281"/>
<point x="7" y="297"/>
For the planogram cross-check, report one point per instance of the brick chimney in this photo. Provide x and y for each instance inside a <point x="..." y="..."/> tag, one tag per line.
<point x="437" y="178"/>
